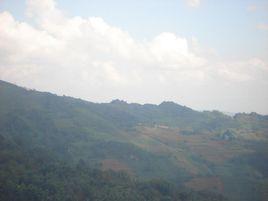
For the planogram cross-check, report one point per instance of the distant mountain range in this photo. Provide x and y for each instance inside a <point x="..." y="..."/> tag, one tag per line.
<point x="216" y="155"/>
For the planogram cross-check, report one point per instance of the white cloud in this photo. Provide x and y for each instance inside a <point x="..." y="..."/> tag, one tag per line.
<point x="262" y="26"/>
<point x="241" y="71"/>
<point x="193" y="3"/>
<point x="88" y="58"/>
<point x="258" y="7"/>
<point x="252" y="8"/>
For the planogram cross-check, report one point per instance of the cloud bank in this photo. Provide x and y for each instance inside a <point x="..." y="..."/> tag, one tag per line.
<point x="91" y="59"/>
<point x="193" y="3"/>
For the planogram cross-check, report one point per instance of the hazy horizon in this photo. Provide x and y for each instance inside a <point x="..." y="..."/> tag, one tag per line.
<point x="206" y="55"/>
<point x="140" y="103"/>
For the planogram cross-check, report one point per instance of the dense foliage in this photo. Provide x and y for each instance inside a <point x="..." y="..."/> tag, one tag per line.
<point x="32" y="173"/>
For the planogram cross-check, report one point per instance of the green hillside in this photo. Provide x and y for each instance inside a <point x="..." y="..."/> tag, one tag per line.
<point x="61" y="148"/>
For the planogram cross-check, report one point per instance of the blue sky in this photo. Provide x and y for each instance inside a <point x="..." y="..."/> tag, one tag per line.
<point x="201" y="53"/>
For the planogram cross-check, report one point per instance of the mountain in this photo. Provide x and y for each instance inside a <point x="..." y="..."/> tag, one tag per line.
<point x="62" y="148"/>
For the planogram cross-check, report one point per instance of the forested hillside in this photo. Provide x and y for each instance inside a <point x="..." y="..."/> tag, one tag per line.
<point x="61" y="148"/>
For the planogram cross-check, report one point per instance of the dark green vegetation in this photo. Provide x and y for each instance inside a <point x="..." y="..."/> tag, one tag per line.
<point x="61" y="148"/>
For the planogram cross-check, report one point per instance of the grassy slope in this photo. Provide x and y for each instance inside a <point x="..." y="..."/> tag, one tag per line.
<point x="150" y="141"/>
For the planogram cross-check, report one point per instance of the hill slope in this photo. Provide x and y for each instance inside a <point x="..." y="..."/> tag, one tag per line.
<point x="206" y="151"/>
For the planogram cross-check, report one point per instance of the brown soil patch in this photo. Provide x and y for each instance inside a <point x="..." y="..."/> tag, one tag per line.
<point x="206" y="183"/>
<point x="165" y="135"/>
<point x="217" y="151"/>
<point x="115" y="165"/>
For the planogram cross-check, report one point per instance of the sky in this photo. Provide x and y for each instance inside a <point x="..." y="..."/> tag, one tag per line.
<point x="205" y="54"/>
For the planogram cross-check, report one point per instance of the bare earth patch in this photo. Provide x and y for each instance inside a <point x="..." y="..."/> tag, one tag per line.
<point x="115" y="165"/>
<point x="206" y="183"/>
